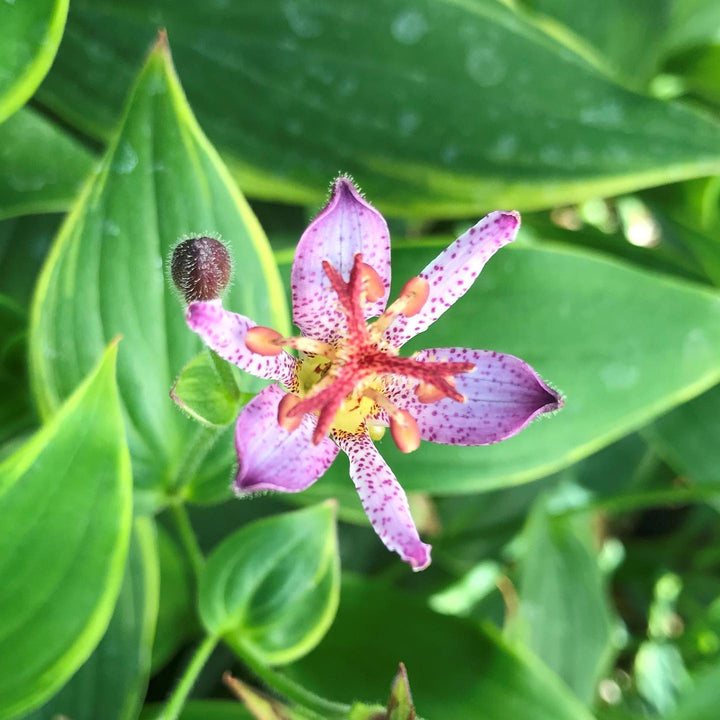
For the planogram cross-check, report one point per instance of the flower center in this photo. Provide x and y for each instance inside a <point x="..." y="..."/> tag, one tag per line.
<point x="344" y="381"/>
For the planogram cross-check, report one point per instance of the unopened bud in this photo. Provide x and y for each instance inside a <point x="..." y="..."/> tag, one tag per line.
<point x="200" y="268"/>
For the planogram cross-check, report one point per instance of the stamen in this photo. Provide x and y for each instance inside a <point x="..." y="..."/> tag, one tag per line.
<point x="403" y="428"/>
<point x="285" y="420"/>
<point x="430" y="393"/>
<point x="266" y="341"/>
<point x="372" y="283"/>
<point x="263" y="341"/>
<point x="411" y="300"/>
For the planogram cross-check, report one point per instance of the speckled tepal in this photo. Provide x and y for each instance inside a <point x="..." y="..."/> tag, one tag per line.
<point x="349" y="381"/>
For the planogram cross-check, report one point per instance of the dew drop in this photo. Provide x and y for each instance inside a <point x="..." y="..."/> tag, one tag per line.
<point x="125" y="160"/>
<point x="485" y="66"/>
<point x="301" y="22"/>
<point x="409" y="27"/>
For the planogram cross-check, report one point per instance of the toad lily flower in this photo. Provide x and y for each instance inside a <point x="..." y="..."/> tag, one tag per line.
<point x="349" y="379"/>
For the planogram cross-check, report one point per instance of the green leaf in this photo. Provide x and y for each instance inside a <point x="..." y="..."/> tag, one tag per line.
<point x="204" y="710"/>
<point x="65" y="510"/>
<point x="31" y="33"/>
<point x="590" y="326"/>
<point x="606" y="32"/>
<point x="700" y="701"/>
<point x="400" y="706"/>
<point x="271" y="588"/>
<point x="439" y="108"/>
<point x="24" y="243"/>
<point x="563" y="611"/>
<point x="176" y="614"/>
<point x="41" y="166"/>
<point x="111" y="684"/>
<point x="459" y="670"/>
<point x="693" y="23"/>
<point x="160" y="180"/>
<point x="686" y="438"/>
<point x="207" y="391"/>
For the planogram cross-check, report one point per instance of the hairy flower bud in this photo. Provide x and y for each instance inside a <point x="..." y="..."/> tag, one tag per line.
<point x="200" y="268"/>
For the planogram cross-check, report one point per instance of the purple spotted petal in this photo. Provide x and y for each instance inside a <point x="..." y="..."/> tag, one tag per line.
<point x="271" y="458"/>
<point x="348" y="225"/>
<point x="383" y="499"/>
<point x="504" y="394"/>
<point x="454" y="270"/>
<point x="225" y="333"/>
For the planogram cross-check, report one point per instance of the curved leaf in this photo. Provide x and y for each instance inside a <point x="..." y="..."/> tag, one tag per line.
<point x="458" y="670"/>
<point x="65" y="510"/>
<point x="442" y="107"/>
<point x="41" y="166"/>
<point x="271" y="588"/>
<point x="160" y="180"/>
<point x="111" y="684"/>
<point x="624" y="345"/>
<point x="31" y="33"/>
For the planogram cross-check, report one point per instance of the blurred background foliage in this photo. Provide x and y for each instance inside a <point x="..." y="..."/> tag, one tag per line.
<point x="576" y="570"/>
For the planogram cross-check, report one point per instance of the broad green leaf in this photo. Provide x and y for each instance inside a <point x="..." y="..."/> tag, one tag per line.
<point x="31" y="33"/>
<point x="41" y="166"/>
<point x="623" y="345"/>
<point x="111" y="684"/>
<point x="24" y="243"/>
<point x="207" y="391"/>
<point x="701" y="699"/>
<point x="160" y="180"/>
<point x="65" y="510"/>
<point x="459" y="670"/>
<point x="438" y="107"/>
<point x="692" y="23"/>
<point x="176" y="613"/>
<point x="563" y="613"/>
<point x="606" y="32"/>
<point x="271" y="588"/>
<point x="204" y="710"/>
<point x="687" y="438"/>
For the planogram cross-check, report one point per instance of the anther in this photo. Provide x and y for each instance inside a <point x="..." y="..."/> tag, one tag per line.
<point x="414" y="295"/>
<point x="372" y="283"/>
<point x="285" y="420"/>
<point x="403" y="428"/>
<point x="264" y="340"/>
<point x="429" y="393"/>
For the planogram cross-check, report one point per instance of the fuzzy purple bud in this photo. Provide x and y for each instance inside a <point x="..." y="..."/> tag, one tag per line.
<point x="200" y="268"/>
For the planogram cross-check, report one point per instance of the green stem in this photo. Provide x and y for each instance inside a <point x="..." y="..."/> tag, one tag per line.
<point x="179" y="695"/>
<point x="187" y="537"/>
<point x="289" y="688"/>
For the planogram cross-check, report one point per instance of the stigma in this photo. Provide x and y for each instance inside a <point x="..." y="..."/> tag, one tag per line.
<point x="342" y="381"/>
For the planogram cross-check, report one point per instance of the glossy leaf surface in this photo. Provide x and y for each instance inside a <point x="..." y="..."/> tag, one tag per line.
<point x="111" y="684"/>
<point x="589" y="326"/>
<point x="271" y="588"/>
<point x="485" y="679"/>
<point x="65" y="510"/>
<point x="160" y="180"/>
<point x="527" y="122"/>
<point x="31" y="35"/>
<point x="41" y="166"/>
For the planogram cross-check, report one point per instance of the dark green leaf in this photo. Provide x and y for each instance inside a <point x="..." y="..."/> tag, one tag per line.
<point x="205" y="710"/>
<point x="687" y="438"/>
<point x="459" y="670"/>
<point x="563" y="613"/>
<point x="588" y="325"/>
<point x="65" y="510"/>
<point x="271" y="588"/>
<point x="526" y="122"/>
<point x="111" y="684"/>
<point x="31" y="33"/>
<point x="24" y="243"/>
<point x="176" y="613"/>
<point x="41" y="166"/>
<point x="159" y="181"/>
